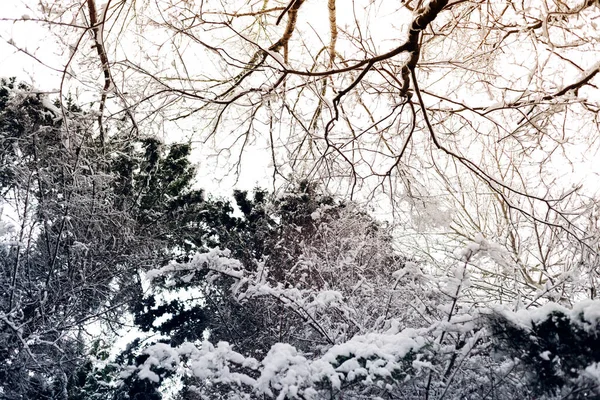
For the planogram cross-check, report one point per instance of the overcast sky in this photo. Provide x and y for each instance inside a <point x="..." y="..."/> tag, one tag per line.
<point x="45" y="75"/>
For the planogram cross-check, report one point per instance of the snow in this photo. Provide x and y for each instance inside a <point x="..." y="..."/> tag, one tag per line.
<point x="284" y="369"/>
<point x="51" y="107"/>
<point x="478" y="244"/>
<point x="147" y="374"/>
<point x="127" y="372"/>
<point x="285" y="372"/>
<point x="589" y="310"/>
<point x="399" y="273"/>
<point x="326" y="298"/>
<point x="585" y="313"/>
<point x="593" y="372"/>
<point x="187" y="278"/>
<point x="162" y="354"/>
<point x="216" y="260"/>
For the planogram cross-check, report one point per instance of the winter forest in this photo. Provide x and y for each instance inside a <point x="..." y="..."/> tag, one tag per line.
<point x="299" y="199"/>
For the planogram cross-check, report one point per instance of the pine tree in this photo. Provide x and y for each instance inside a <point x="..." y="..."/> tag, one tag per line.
<point x="91" y="217"/>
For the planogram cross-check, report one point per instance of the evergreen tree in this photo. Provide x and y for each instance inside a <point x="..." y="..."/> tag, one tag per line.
<point x="275" y="235"/>
<point x="90" y="219"/>
<point x="558" y="349"/>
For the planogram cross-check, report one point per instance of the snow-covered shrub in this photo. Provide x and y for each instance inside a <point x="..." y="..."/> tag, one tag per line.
<point x="558" y="349"/>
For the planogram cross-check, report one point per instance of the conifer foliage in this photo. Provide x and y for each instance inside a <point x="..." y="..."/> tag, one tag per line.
<point x="81" y="220"/>
<point x="294" y="294"/>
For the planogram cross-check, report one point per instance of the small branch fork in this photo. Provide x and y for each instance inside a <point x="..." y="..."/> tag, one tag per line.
<point x="425" y="15"/>
<point x="97" y="28"/>
<point x="494" y="183"/>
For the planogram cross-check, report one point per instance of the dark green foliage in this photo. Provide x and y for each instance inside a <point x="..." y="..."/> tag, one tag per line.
<point x="155" y="184"/>
<point x="182" y="324"/>
<point x="138" y="389"/>
<point x="397" y="374"/>
<point x="272" y="228"/>
<point x="131" y="387"/>
<point x="24" y="125"/>
<point x="553" y="352"/>
<point x="89" y="382"/>
<point x="96" y="216"/>
<point x="248" y="238"/>
<point x="300" y="201"/>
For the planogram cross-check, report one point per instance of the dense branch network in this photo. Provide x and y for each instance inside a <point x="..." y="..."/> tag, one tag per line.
<point x="470" y="127"/>
<point x="334" y="98"/>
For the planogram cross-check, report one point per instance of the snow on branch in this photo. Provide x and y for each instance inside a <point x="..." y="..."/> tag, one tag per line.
<point x="215" y="260"/>
<point x="586" y="314"/>
<point x="383" y="359"/>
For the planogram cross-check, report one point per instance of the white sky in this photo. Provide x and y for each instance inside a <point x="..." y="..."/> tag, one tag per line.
<point x="46" y="76"/>
<point x="30" y="36"/>
<point x="256" y="159"/>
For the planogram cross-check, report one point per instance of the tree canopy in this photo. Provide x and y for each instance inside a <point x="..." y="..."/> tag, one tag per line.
<point x="425" y="224"/>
